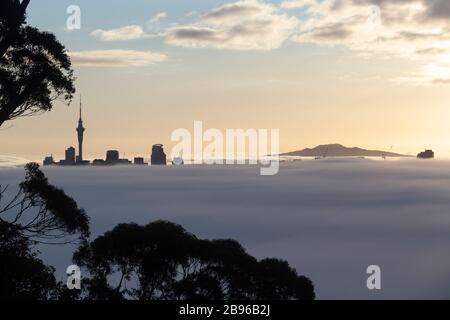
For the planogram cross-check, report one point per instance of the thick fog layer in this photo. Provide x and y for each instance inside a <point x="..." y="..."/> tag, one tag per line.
<point x="329" y="218"/>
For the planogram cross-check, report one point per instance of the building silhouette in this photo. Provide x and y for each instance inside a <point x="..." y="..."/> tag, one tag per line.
<point x="80" y="133"/>
<point x="69" y="159"/>
<point x="158" y="156"/>
<point x="427" y="154"/>
<point x="48" y="161"/>
<point x="112" y="156"/>
<point x="99" y="162"/>
<point x="139" y="161"/>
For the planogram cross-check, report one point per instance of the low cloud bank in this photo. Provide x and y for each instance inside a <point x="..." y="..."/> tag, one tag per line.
<point x="329" y="218"/>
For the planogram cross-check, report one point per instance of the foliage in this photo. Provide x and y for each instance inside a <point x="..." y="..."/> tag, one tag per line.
<point x="166" y="262"/>
<point x="38" y="213"/>
<point x="42" y="212"/>
<point x="35" y="69"/>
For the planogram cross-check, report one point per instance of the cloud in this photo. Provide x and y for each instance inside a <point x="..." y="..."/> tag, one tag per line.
<point x="191" y="13"/>
<point x="12" y="162"/>
<point x="242" y="25"/>
<point x="158" y="17"/>
<point x="432" y="73"/>
<point x="131" y="32"/>
<point x="334" y="32"/>
<point x="237" y="10"/>
<point x="431" y="51"/>
<point x="297" y="4"/>
<point x="438" y="9"/>
<point x="154" y="24"/>
<point x="126" y="33"/>
<point x="415" y="30"/>
<point x="116" y="58"/>
<point x="410" y="29"/>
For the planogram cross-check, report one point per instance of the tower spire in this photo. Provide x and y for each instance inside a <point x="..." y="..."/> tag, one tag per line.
<point x="80" y="107"/>
<point x="80" y="133"/>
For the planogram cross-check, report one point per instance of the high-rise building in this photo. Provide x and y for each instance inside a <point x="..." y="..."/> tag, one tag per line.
<point x="80" y="132"/>
<point x="112" y="156"/>
<point x="158" y="156"/>
<point x="70" y="156"/>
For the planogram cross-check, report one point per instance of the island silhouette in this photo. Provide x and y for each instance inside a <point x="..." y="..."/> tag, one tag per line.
<point x="338" y="150"/>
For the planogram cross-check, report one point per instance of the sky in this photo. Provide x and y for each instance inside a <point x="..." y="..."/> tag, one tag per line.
<point x="373" y="74"/>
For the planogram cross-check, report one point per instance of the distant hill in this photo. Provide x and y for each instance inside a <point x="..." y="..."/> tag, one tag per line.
<point x="338" y="150"/>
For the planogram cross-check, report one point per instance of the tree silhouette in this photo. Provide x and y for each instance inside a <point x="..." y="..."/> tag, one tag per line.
<point x="38" y="213"/>
<point x="163" y="261"/>
<point x="41" y="212"/>
<point x="34" y="66"/>
<point x="22" y="274"/>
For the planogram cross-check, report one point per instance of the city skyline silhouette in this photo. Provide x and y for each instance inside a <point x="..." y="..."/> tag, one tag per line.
<point x="142" y="79"/>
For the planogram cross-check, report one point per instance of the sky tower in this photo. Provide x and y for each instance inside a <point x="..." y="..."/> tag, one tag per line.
<point x="80" y="131"/>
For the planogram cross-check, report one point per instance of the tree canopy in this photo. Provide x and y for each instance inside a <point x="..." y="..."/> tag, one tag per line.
<point x="22" y="274"/>
<point x="42" y="212"/>
<point x="35" y="68"/>
<point x="162" y="261"/>
<point x="38" y="213"/>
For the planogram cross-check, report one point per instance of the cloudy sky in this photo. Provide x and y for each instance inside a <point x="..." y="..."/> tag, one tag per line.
<point x="372" y="73"/>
